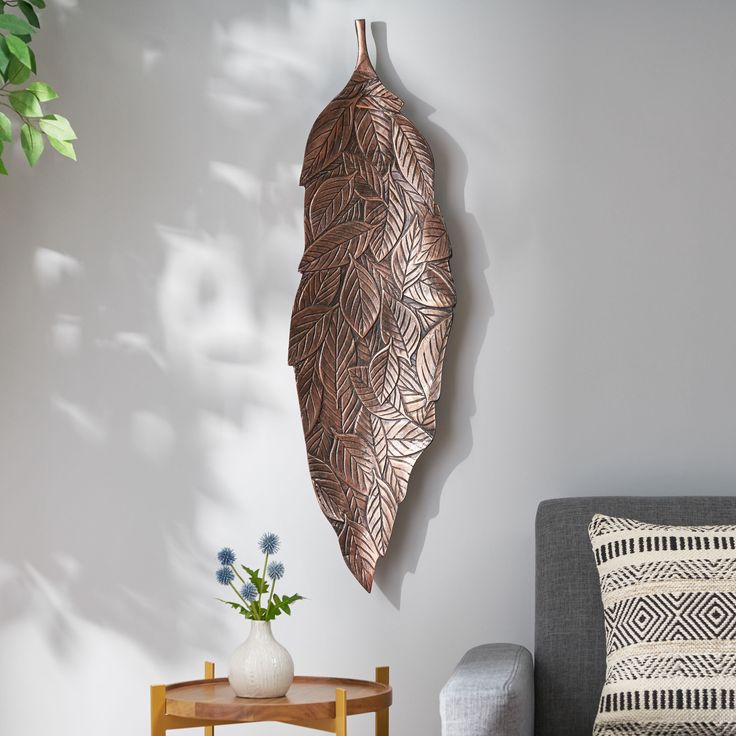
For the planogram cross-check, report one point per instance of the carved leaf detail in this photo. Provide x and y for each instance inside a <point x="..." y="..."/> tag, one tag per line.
<point x="430" y="355"/>
<point x="397" y="472"/>
<point x="359" y="299"/>
<point x="380" y="440"/>
<point x="318" y="441"/>
<point x="336" y="359"/>
<point x="355" y="212"/>
<point x="318" y="289"/>
<point x="360" y="552"/>
<point x="375" y="95"/>
<point x="430" y="420"/>
<point x="330" y="134"/>
<point x="372" y="313"/>
<point x="435" y="243"/>
<point x="413" y="398"/>
<point x="433" y="288"/>
<point x="383" y="373"/>
<point x="329" y="492"/>
<point x="309" y="388"/>
<point x="386" y="236"/>
<point x="369" y="183"/>
<point x="381" y="510"/>
<point x="353" y="461"/>
<point x="405" y="438"/>
<point x="332" y="197"/>
<point x="429" y="317"/>
<point x="373" y="131"/>
<point x="367" y="347"/>
<point x="414" y="158"/>
<point x="400" y="325"/>
<point x="363" y="388"/>
<point x="406" y="268"/>
<point x="360" y="83"/>
<point x="334" y="247"/>
<point x="309" y="330"/>
<point x="375" y="215"/>
<point x="350" y="407"/>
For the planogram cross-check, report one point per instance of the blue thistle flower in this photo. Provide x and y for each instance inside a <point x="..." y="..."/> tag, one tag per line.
<point x="249" y="592"/>
<point x="269" y="543"/>
<point x="276" y="570"/>
<point x="226" y="556"/>
<point x="225" y="575"/>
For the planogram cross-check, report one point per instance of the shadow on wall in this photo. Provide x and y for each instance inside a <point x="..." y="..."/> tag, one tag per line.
<point x="454" y="438"/>
<point x="136" y="312"/>
<point x="143" y="311"/>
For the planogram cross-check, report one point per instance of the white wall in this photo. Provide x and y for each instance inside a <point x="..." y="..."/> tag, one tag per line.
<point x="585" y="159"/>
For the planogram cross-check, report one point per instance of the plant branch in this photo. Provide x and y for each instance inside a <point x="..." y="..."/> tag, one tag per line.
<point x="263" y="578"/>
<point x="237" y="573"/>
<point x="270" y="597"/>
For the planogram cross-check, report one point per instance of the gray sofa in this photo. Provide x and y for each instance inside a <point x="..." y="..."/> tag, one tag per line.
<point x="497" y="689"/>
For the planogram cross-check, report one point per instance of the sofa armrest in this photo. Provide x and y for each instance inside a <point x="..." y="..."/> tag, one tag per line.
<point x="490" y="693"/>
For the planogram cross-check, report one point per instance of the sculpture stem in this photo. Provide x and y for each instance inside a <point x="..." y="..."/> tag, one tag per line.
<point x="363" y="63"/>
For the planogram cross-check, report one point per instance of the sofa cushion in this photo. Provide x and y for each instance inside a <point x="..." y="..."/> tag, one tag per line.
<point x="669" y="600"/>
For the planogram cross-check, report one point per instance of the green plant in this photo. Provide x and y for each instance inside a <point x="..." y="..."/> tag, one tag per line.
<point x="255" y="586"/>
<point x="17" y="63"/>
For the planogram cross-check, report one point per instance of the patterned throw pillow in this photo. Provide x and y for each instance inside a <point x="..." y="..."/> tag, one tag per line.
<point x="669" y="600"/>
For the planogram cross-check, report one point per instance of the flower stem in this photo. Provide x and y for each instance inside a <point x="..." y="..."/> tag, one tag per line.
<point x="263" y="578"/>
<point x="273" y="588"/>
<point x="237" y="573"/>
<point x="237" y="593"/>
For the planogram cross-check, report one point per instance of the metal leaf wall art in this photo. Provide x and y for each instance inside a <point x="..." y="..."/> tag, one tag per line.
<point x="372" y="313"/>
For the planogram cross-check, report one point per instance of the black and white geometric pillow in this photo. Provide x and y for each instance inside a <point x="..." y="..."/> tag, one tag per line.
<point x="669" y="600"/>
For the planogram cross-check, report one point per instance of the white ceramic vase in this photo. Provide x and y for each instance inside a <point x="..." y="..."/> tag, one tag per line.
<point x="260" y="667"/>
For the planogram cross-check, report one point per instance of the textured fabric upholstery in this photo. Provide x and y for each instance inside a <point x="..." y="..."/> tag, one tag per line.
<point x="490" y="693"/>
<point x="569" y="638"/>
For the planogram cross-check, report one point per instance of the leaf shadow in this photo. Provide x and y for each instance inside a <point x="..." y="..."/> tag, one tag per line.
<point x="144" y="334"/>
<point x="454" y="438"/>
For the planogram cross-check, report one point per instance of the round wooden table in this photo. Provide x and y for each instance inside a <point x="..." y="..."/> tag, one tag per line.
<point x="322" y="703"/>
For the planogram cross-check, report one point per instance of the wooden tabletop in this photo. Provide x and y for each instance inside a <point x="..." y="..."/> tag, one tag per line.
<point x="308" y="698"/>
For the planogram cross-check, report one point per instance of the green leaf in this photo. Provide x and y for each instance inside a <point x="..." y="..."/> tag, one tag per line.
<point x="15" y="25"/>
<point x="65" y="148"/>
<point x="285" y="607"/>
<point x="58" y="127"/>
<point x="31" y="142"/>
<point x="27" y="9"/>
<point x="239" y="608"/>
<point x="3" y="170"/>
<point x="19" y="50"/>
<point x="254" y="575"/>
<point x="26" y="103"/>
<point x="6" y="128"/>
<point x="4" y="56"/>
<point x="38" y="3"/>
<point x="17" y="73"/>
<point x="43" y="91"/>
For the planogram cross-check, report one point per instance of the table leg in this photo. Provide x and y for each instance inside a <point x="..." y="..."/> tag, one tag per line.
<point x="341" y="712"/>
<point x="158" y="710"/>
<point x="209" y="674"/>
<point x="382" y="715"/>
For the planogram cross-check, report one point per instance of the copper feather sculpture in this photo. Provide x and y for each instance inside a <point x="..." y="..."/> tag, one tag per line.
<point x="372" y="313"/>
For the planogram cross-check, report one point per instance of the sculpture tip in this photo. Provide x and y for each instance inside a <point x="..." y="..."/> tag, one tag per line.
<point x="364" y="61"/>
